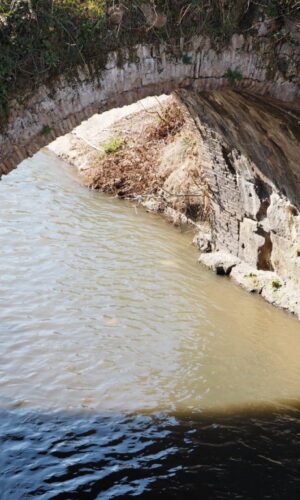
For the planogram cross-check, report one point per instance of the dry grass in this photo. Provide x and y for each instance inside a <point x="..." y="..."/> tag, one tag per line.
<point x="162" y="162"/>
<point x="131" y="170"/>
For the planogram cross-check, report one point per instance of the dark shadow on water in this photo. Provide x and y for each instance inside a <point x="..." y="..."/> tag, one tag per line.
<point x="249" y="454"/>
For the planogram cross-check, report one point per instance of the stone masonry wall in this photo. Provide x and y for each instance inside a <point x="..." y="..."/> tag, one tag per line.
<point x="251" y="164"/>
<point x="36" y="120"/>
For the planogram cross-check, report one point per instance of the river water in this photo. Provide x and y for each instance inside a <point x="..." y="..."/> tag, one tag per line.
<point x="126" y="368"/>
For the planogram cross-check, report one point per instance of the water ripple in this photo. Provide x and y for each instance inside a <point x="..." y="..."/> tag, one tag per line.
<point x="105" y="320"/>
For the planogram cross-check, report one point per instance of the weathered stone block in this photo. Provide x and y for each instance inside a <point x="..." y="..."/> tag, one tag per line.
<point x="219" y="262"/>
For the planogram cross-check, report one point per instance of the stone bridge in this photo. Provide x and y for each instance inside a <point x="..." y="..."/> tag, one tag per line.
<point x="249" y="64"/>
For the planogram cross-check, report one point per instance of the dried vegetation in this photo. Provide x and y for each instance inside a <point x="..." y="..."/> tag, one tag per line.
<point x="132" y="169"/>
<point x="162" y="163"/>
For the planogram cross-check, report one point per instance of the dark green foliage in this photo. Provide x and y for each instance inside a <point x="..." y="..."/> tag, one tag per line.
<point x="186" y="59"/>
<point x="275" y="8"/>
<point x="233" y="76"/>
<point x="57" y="36"/>
<point x="46" y="130"/>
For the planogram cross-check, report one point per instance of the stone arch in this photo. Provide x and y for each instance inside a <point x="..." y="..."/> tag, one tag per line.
<point x="37" y="119"/>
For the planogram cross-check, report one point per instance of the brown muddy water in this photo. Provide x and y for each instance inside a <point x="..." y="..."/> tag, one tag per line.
<point x="126" y="369"/>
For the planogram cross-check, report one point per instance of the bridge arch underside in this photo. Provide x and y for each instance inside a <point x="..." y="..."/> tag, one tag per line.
<point x="248" y="132"/>
<point x="37" y="118"/>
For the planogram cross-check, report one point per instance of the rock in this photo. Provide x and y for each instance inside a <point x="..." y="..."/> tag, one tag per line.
<point x="251" y="279"/>
<point x="115" y="14"/>
<point x="153" y="17"/>
<point x="237" y="41"/>
<point x="219" y="262"/>
<point x="177" y="218"/>
<point x="269" y="25"/>
<point x="283" y="295"/>
<point x="250" y="241"/>
<point x="152" y="204"/>
<point x="284" y="226"/>
<point x="203" y="240"/>
<point x="292" y="27"/>
<point x="203" y="243"/>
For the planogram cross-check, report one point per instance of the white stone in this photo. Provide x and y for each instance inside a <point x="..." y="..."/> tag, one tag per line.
<point x="220" y="262"/>
<point x="249" y="278"/>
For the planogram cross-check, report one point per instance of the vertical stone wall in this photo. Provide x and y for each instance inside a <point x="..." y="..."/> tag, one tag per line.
<point x="251" y="164"/>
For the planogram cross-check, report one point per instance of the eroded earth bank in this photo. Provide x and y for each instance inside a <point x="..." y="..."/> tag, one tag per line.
<point x="226" y="163"/>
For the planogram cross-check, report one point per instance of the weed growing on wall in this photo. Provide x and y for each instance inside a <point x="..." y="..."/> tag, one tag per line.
<point x="46" y="130"/>
<point x="276" y="284"/>
<point x="233" y="76"/>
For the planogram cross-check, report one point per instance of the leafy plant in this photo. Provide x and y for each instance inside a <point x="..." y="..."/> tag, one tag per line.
<point x="233" y="76"/>
<point x="46" y="130"/>
<point x="113" y="145"/>
<point x="276" y="284"/>
<point x="186" y="59"/>
<point x="42" y="39"/>
<point x="272" y="11"/>
<point x="250" y="275"/>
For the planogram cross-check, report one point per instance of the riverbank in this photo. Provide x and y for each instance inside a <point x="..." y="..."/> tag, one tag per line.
<point x="147" y="153"/>
<point x="152" y="154"/>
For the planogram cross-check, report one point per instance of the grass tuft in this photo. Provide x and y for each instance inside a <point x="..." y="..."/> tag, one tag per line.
<point x="113" y="145"/>
<point x="276" y="284"/>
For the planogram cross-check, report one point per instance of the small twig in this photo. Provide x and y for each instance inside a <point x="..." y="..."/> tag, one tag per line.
<point x="158" y="101"/>
<point x="182" y="16"/>
<point x="70" y="35"/>
<point x="180" y="194"/>
<point x="88" y="142"/>
<point x="156" y="16"/>
<point x="153" y="113"/>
